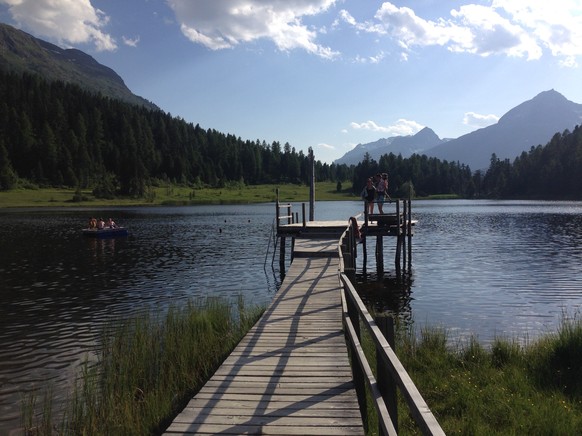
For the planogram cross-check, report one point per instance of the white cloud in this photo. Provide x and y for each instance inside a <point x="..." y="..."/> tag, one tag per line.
<point x="557" y="25"/>
<point x="220" y="24"/>
<point x="402" y="127"/>
<point x="514" y="28"/>
<point x="478" y="120"/>
<point x="66" y="21"/>
<point x="132" y="42"/>
<point x="327" y="146"/>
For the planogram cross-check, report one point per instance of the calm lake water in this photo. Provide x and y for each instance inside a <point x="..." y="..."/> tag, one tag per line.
<point x="482" y="268"/>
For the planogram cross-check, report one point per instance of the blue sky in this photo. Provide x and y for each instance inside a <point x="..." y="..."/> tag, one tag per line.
<point x="327" y="74"/>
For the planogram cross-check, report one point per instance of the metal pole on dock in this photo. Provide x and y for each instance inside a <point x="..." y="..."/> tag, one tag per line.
<point x="311" y="185"/>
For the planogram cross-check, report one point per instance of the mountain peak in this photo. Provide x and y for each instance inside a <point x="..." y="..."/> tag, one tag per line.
<point x="398" y="145"/>
<point x="546" y="107"/>
<point x="527" y="125"/>
<point x="427" y="134"/>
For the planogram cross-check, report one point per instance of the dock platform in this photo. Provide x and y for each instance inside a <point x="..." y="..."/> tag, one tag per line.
<point x="291" y="373"/>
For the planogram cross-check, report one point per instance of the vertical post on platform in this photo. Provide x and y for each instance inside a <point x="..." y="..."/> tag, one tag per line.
<point x="311" y="185"/>
<point x="409" y="224"/>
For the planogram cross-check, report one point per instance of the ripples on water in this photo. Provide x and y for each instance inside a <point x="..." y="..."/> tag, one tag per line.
<point x="479" y="268"/>
<point x="488" y="269"/>
<point x="59" y="288"/>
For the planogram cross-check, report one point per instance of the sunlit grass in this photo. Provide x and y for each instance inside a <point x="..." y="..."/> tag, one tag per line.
<point x="507" y="388"/>
<point x="175" y="195"/>
<point x="147" y="368"/>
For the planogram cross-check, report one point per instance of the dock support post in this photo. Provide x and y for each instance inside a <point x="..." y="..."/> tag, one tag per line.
<point x="403" y="224"/>
<point x="380" y="254"/>
<point x="397" y="254"/>
<point x="409" y="233"/>
<point x="365" y="253"/>
<point x="398" y="239"/>
<point x="282" y="256"/>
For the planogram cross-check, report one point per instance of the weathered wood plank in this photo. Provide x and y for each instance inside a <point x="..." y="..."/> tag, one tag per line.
<point x="291" y="373"/>
<point x="268" y="429"/>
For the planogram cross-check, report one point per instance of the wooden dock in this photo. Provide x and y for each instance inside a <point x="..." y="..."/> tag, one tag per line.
<point x="395" y="222"/>
<point x="291" y="373"/>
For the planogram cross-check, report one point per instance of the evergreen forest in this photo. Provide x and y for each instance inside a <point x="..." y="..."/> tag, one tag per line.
<point x="54" y="134"/>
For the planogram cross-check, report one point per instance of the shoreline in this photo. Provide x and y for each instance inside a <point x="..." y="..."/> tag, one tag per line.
<point x="171" y="196"/>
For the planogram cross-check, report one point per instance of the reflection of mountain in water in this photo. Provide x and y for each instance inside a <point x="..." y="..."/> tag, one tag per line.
<point x="387" y="295"/>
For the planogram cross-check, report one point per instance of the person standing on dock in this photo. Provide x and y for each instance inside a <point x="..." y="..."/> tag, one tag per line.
<point x="381" y="190"/>
<point x="368" y="194"/>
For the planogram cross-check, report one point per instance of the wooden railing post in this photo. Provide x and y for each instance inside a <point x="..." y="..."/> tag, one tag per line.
<point x="357" y="370"/>
<point x="386" y="382"/>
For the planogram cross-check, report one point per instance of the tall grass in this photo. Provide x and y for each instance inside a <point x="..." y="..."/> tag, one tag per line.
<point x="504" y="389"/>
<point x="147" y="368"/>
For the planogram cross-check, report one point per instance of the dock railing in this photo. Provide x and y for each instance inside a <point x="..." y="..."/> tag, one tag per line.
<point x="283" y="212"/>
<point x="390" y="373"/>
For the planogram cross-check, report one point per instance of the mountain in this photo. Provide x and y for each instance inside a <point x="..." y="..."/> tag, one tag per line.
<point x="531" y="123"/>
<point x="404" y="145"/>
<point x="23" y="53"/>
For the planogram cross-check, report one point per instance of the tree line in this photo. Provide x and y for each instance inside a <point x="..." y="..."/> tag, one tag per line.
<point x="545" y="172"/>
<point x="57" y="134"/>
<point x="550" y="171"/>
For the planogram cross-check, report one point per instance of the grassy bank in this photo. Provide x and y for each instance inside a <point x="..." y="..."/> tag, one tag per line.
<point x="148" y="367"/>
<point x="175" y="196"/>
<point x="505" y="389"/>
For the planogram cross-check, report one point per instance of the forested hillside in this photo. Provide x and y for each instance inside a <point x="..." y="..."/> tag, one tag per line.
<point x="56" y="134"/>
<point x="551" y="172"/>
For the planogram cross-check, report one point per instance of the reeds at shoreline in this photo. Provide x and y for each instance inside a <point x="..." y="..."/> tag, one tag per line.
<point x="147" y="368"/>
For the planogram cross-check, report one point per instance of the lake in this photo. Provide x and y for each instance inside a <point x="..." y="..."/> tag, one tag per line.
<point x="479" y="268"/>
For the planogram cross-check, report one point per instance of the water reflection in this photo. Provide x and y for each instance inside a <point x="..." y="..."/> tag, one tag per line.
<point x="387" y="294"/>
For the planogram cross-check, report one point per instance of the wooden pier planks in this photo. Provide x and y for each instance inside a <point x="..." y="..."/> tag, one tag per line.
<point x="290" y="374"/>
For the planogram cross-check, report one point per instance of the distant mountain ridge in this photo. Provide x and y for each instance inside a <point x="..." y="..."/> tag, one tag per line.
<point x="21" y="52"/>
<point x="404" y="145"/>
<point x="531" y="123"/>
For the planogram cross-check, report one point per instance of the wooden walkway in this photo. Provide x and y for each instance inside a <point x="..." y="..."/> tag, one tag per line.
<point x="290" y="374"/>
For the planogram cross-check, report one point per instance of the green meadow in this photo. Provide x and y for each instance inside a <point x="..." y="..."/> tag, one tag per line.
<point x="175" y="195"/>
